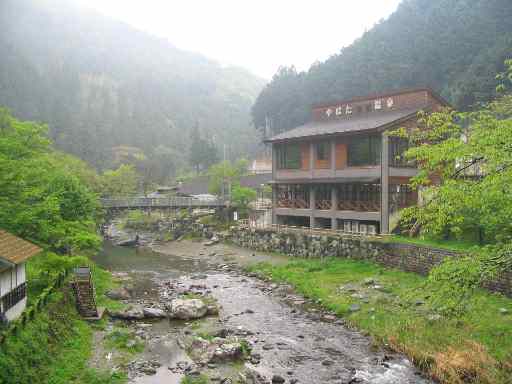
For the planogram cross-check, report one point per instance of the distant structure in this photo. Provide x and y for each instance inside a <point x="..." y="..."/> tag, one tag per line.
<point x="340" y="171"/>
<point x="14" y="252"/>
<point x="261" y="165"/>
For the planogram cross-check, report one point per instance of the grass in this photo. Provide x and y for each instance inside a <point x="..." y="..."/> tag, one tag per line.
<point x="54" y="347"/>
<point x="120" y="339"/>
<point x="474" y="348"/>
<point x="201" y="379"/>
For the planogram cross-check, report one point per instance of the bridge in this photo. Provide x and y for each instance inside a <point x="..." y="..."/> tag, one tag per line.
<point x="161" y="202"/>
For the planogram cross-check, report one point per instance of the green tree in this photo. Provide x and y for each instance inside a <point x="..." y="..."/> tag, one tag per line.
<point x="465" y="162"/>
<point x="120" y="182"/>
<point x="41" y="199"/>
<point x="203" y="152"/>
<point x="225" y="176"/>
<point x="242" y="196"/>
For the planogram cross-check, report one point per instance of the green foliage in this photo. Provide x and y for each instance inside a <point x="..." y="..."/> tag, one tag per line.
<point x="120" y="182"/>
<point x="42" y="199"/>
<point x="140" y="220"/>
<point x="94" y="102"/>
<point x="465" y="178"/>
<point x="203" y="152"/>
<point x="393" y="319"/>
<point x="201" y="379"/>
<point x="226" y="174"/>
<point x="242" y="196"/>
<point x="454" y="46"/>
<point x="42" y="270"/>
<point x="120" y="338"/>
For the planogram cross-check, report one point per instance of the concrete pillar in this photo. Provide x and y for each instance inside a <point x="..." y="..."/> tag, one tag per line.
<point x="312" y="157"/>
<point x="312" y="206"/>
<point x="333" y="156"/>
<point x="274" y="203"/>
<point x="384" y="185"/>
<point x="334" y="207"/>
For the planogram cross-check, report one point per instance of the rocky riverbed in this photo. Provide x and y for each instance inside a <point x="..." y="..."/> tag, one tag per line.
<point x="249" y="331"/>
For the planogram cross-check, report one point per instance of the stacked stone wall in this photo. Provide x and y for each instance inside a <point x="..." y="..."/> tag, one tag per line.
<point x="406" y="257"/>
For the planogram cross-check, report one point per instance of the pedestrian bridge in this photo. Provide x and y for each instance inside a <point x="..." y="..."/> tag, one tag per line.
<point x="161" y="202"/>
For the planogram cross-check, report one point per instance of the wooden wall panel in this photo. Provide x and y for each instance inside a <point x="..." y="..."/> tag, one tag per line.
<point x="305" y="153"/>
<point x="341" y="155"/>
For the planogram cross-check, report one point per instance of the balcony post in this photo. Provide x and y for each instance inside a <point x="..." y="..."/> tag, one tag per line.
<point x="384" y="185"/>
<point x="274" y="203"/>
<point x="312" y="203"/>
<point x="334" y="207"/>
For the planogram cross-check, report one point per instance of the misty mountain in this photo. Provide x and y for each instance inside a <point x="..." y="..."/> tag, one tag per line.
<point x="100" y="84"/>
<point x="455" y="47"/>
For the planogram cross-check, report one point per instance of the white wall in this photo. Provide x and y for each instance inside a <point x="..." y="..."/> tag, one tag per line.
<point x="9" y="280"/>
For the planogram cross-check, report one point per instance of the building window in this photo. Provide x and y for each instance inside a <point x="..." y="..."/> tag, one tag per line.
<point x="323" y="151"/>
<point x="364" y="150"/>
<point x="288" y="156"/>
<point x="397" y="148"/>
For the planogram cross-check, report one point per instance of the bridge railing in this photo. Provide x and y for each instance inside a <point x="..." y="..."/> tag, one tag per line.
<point x="147" y="202"/>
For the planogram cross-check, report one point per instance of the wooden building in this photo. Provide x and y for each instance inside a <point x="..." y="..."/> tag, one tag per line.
<point x="340" y="171"/>
<point x="14" y="252"/>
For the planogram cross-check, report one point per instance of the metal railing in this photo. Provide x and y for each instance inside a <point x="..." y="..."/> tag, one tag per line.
<point x="147" y="202"/>
<point x="279" y="228"/>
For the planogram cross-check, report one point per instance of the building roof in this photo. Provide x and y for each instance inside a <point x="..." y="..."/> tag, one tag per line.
<point x="358" y="123"/>
<point x="384" y="95"/>
<point x="15" y="250"/>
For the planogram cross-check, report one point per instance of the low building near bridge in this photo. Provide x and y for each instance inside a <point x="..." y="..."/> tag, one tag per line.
<point x="14" y="252"/>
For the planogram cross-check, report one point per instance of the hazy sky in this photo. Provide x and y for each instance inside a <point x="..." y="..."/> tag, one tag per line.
<point x="259" y="35"/>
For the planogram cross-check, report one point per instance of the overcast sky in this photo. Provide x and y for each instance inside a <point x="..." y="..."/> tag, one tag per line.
<point x="259" y="35"/>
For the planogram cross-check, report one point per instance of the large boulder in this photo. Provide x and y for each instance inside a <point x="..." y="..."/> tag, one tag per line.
<point x="227" y="352"/>
<point x="154" y="313"/>
<point x="118" y="294"/>
<point x="132" y="312"/>
<point x="187" y="309"/>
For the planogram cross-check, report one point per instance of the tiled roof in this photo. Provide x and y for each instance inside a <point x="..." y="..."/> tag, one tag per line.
<point x="16" y="250"/>
<point x="353" y="124"/>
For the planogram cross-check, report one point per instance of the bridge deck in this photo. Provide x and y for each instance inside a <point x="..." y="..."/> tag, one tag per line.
<point x="171" y="202"/>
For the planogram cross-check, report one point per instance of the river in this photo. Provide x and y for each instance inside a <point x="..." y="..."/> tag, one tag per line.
<point x="293" y="340"/>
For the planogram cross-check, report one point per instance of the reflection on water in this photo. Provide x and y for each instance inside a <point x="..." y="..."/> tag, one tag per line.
<point x="143" y="259"/>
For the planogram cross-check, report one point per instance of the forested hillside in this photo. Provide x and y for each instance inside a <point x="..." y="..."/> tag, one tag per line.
<point x="455" y="47"/>
<point x="100" y="84"/>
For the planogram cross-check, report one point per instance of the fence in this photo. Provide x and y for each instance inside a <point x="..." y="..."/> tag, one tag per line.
<point x="29" y="313"/>
<point x="279" y="228"/>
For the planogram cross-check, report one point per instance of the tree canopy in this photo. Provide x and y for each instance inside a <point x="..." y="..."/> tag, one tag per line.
<point x="465" y="178"/>
<point x="101" y="84"/>
<point x="45" y="196"/>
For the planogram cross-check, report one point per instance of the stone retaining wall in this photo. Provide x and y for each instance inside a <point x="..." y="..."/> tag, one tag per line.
<point x="407" y="257"/>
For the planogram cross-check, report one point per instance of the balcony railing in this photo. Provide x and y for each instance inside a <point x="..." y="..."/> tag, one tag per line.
<point x="12" y="298"/>
<point x="324" y="205"/>
<point x="295" y="203"/>
<point x="359" y="206"/>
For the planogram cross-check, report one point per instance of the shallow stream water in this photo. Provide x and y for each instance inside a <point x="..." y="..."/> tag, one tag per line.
<point x="293" y="342"/>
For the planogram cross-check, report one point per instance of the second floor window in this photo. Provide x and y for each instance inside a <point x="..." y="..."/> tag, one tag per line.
<point x="288" y="156"/>
<point x="323" y="151"/>
<point x="364" y="150"/>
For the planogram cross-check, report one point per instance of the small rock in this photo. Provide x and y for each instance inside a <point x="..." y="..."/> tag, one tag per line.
<point x="504" y="311"/>
<point x="276" y="379"/>
<point x="369" y="281"/>
<point x="354" y="308"/>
